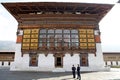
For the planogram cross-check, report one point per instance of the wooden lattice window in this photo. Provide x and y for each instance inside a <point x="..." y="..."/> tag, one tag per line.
<point x="83" y="59"/>
<point x="33" y="59"/>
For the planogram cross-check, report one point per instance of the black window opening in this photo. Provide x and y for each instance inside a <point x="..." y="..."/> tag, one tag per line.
<point x="2" y="63"/>
<point x="58" y="61"/>
<point x="9" y="63"/>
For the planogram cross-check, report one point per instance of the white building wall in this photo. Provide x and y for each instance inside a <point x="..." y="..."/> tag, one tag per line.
<point x="114" y="63"/>
<point x="18" y="52"/>
<point x="46" y="63"/>
<point x="69" y="60"/>
<point x="18" y="62"/>
<point x="11" y="64"/>
<point x="5" y="63"/>
<point x="108" y="63"/>
<point x="96" y="62"/>
<point x="119" y="63"/>
<point x="25" y="61"/>
<point x="0" y="63"/>
<point x="96" y="32"/>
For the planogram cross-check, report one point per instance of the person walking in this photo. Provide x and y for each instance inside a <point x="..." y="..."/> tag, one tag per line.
<point x="78" y="72"/>
<point x="73" y="71"/>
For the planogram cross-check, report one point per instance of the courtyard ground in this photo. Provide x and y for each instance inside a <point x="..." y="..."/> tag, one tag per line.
<point x="5" y="74"/>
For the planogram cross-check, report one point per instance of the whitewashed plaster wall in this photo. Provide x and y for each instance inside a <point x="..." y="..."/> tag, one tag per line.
<point x="69" y="60"/>
<point x="96" y="62"/>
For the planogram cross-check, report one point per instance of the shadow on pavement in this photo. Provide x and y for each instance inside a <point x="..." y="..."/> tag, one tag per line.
<point x="5" y="74"/>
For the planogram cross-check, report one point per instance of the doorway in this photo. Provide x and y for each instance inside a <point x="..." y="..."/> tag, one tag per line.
<point x="58" y="60"/>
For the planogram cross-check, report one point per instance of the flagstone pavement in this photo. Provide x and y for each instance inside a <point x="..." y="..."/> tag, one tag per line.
<point x="114" y="74"/>
<point x="5" y="74"/>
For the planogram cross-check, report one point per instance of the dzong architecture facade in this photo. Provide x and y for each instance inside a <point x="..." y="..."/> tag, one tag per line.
<point x="52" y="36"/>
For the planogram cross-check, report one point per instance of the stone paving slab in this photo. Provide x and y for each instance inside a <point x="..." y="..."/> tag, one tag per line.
<point x="113" y="74"/>
<point x="5" y="74"/>
<point x="90" y="76"/>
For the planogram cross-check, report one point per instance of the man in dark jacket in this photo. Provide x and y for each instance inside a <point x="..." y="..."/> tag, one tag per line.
<point x="73" y="71"/>
<point x="78" y="72"/>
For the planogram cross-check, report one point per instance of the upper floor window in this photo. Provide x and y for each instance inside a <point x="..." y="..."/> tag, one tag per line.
<point x="59" y="38"/>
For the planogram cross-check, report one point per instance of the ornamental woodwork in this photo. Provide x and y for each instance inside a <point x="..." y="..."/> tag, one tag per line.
<point x="97" y="39"/>
<point x="7" y="56"/>
<point x="57" y="26"/>
<point x="30" y="39"/>
<point x="34" y="16"/>
<point x="86" y="41"/>
<point x="19" y="39"/>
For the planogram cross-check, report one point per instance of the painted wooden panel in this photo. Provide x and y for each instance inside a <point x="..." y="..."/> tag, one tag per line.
<point x="25" y="44"/>
<point x="90" y="31"/>
<point x="34" y="44"/>
<point x="91" y="44"/>
<point x="91" y="40"/>
<point x="26" y="40"/>
<point x="19" y="39"/>
<point x="91" y="47"/>
<point x="27" y="48"/>
<point x="83" y="40"/>
<point x="90" y="36"/>
<point x="81" y="47"/>
<point x="97" y="39"/>
<point x="82" y="31"/>
<point x="82" y="36"/>
<point x="83" y="44"/>
<point x="6" y="58"/>
<point x="86" y="38"/>
<point x="27" y="31"/>
<point x="35" y="30"/>
<point x="35" y="48"/>
<point x="34" y="35"/>
<point x="34" y="40"/>
<point x="26" y="36"/>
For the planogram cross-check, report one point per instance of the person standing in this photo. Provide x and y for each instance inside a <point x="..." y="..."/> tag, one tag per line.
<point x="73" y="71"/>
<point x="78" y="72"/>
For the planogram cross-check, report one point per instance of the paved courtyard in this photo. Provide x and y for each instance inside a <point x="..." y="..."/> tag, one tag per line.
<point x="5" y="74"/>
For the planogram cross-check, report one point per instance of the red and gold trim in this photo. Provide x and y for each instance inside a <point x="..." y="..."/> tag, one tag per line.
<point x="19" y="39"/>
<point x="97" y="39"/>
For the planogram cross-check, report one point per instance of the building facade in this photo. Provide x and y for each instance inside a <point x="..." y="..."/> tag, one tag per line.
<point x="111" y="58"/>
<point x="6" y="58"/>
<point x="52" y="36"/>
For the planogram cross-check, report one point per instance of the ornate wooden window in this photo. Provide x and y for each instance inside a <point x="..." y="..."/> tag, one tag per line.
<point x="58" y="61"/>
<point x="30" y="39"/>
<point x="87" y="40"/>
<point x="58" y="39"/>
<point x="83" y="59"/>
<point x="33" y="59"/>
<point x="43" y="39"/>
